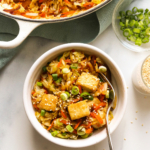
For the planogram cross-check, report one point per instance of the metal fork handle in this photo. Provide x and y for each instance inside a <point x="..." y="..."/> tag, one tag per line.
<point x="108" y="130"/>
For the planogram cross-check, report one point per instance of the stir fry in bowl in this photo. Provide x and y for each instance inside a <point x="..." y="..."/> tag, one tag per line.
<point x="49" y="9"/>
<point x="70" y="99"/>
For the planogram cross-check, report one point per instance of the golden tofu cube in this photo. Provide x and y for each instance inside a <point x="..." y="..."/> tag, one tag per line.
<point x="48" y="102"/>
<point x="94" y="101"/>
<point x="88" y="82"/>
<point x="78" y="110"/>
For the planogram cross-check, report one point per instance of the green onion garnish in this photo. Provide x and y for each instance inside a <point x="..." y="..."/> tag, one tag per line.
<point x="69" y="128"/>
<point x="43" y="112"/>
<point x="75" y="90"/>
<point x="54" y="133"/>
<point x="63" y="96"/>
<point x="55" y="77"/>
<point x="65" y="70"/>
<point x="58" y="81"/>
<point x="44" y="69"/>
<point x="68" y="94"/>
<point x="39" y="84"/>
<point x="74" y="66"/>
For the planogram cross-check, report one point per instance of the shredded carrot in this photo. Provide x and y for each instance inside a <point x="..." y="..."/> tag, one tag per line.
<point x="64" y="121"/>
<point x="68" y="61"/>
<point x="51" y="125"/>
<point x="67" y="1"/>
<point x="35" y="106"/>
<point x="80" y="89"/>
<point x="40" y="1"/>
<point x="33" y="92"/>
<point x="76" y="126"/>
<point x="90" y="130"/>
<point x="46" y="92"/>
<point x="63" y="114"/>
<point x="81" y="98"/>
<point x="43" y="15"/>
<point x="94" y="61"/>
<point x="65" y="14"/>
<point x="96" y="107"/>
<point x="88" y="5"/>
<point x="86" y="126"/>
<point x="94" y="115"/>
<point x="59" y="63"/>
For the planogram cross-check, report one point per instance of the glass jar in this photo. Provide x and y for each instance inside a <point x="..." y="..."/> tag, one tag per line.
<point x="138" y="79"/>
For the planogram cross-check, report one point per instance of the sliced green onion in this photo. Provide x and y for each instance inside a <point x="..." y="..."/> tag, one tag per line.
<point x="136" y="35"/>
<point x="140" y="16"/>
<point x="59" y="80"/>
<point x="64" y="96"/>
<point x="58" y="123"/>
<point x="146" y="21"/>
<point x="123" y="20"/>
<point x="54" y="133"/>
<point x="134" y="10"/>
<point x="68" y="94"/>
<point x="140" y="10"/>
<point x="132" y="23"/>
<point x="81" y="130"/>
<point x="74" y="66"/>
<point x="75" y="90"/>
<point x="145" y="40"/>
<point x="44" y="69"/>
<point x="65" y="70"/>
<point x="84" y="136"/>
<point x="43" y="112"/>
<point x="39" y="84"/>
<point x="55" y="77"/>
<point x="142" y="34"/>
<point x="69" y="128"/>
<point x="127" y="22"/>
<point x="128" y="12"/>
<point x="132" y="38"/>
<point x="111" y="94"/>
<point x="107" y="94"/>
<point x="84" y="94"/>
<point x="90" y="97"/>
<point x="148" y="31"/>
<point x="127" y="32"/>
<point x="146" y="11"/>
<point x="122" y="24"/>
<point x="138" y="41"/>
<point x="122" y="13"/>
<point x="122" y="28"/>
<point x="136" y="30"/>
<point x="102" y="69"/>
<point x="64" y="134"/>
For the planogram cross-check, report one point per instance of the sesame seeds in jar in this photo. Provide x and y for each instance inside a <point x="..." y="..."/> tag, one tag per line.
<point x="146" y="71"/>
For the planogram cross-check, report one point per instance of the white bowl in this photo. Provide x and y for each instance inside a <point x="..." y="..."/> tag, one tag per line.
<point x="117" y="79"/>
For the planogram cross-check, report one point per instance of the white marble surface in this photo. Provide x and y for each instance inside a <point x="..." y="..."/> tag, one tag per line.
<point x="16" y="132"/>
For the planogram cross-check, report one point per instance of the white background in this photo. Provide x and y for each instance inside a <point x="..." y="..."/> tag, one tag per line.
<point x="16" y="132"/>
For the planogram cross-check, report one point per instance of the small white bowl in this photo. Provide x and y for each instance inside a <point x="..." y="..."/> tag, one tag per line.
<point x="117" y="79"/>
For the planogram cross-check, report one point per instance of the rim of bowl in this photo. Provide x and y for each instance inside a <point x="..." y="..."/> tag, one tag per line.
<point x="58" y="48"/>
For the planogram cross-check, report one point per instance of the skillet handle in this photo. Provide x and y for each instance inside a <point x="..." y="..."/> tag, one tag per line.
<point x="25" y="28"/>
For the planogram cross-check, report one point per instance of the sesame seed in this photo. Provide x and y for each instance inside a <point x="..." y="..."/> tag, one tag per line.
<point x="125" y="139"/>
<point x="135" y="118"/>
<point x="142" y="124"/>
<point x="136" y="111"/>
<point x="146" y="131"/>
<point x="131" y="122"/>
<point x="127" y="87"/>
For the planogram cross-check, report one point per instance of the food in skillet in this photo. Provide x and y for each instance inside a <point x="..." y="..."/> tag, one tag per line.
<point x="70" y="99"/>
<point x="49" y="9"/>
